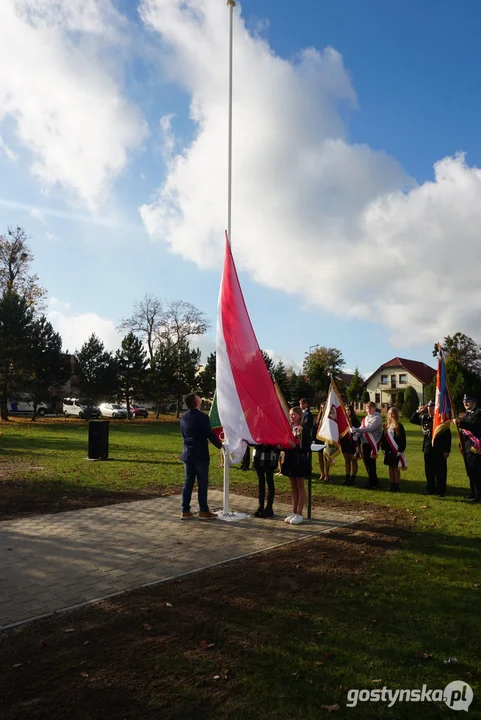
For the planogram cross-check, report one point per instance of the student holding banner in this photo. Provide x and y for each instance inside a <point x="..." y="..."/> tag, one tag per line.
<point x="393" y="442"/>
<point x="370" y="433"/>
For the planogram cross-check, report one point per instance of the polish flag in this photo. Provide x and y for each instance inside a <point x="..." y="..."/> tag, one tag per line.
<point x="334" y="424"/>
<point x="249" y="407"/>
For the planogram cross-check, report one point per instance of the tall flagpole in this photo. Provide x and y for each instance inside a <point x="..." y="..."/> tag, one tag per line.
<point x="231" y="5"/>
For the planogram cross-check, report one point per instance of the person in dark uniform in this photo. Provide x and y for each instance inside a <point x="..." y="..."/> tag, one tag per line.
<point x="196" y="432"/>
<point x="435" y="455"/>
<point x="265" y="459"/>
<point x="470" y="425"/>
<point x="307" y="418"/>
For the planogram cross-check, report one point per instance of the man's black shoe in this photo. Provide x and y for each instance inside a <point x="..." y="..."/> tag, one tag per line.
<point x="468" y="497"/>
<point x="428" y="492"/>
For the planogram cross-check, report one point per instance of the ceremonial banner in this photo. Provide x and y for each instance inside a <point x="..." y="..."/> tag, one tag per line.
<point x="334" y="424"/>
<point x="249" y="407"/>
<point x="443" y="411"/>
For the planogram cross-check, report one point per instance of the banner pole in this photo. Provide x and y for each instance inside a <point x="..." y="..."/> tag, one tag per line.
<point x="231" y="5"/>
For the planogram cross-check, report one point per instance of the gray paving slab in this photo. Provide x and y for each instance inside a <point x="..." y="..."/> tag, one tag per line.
<point x="51" y="563"/>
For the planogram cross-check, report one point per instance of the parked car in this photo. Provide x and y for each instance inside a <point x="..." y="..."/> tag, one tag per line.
<point x="113" y="410"/>
<point x="73" y="407"/>
<point x="22" y="406"/>
<point x="137" y="410"/>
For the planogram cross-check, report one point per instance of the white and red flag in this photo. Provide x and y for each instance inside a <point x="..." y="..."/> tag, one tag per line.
<point x="249" y="407"/>
<point x="334" y="424"/>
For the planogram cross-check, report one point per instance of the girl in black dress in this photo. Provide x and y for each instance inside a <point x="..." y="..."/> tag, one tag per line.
<point x="350" y="448"/>
<point x="393" y="442"/>
<point x="296" y="466"/>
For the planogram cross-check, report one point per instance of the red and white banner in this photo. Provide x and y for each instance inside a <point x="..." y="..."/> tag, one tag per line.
<point x="334" y="423"/>
<point x="395" y="448"/>
<point x="249" y="407"/>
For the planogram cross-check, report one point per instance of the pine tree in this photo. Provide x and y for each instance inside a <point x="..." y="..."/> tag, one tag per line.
<point x="131" y="361"/>
<point x="49" y="367"/>
<point x="411" y="401"/>
<point x="16" y="323"/>
<point x="355" y="389"/>
<point x="96" y="371"/>
<point x="207" y="378"/>
<point x="280" y="375"/>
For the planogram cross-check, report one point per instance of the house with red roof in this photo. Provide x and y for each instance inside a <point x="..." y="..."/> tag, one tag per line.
<point x="394" y="376"/>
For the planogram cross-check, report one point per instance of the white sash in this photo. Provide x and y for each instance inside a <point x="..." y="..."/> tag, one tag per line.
<point x="370" y="438"/>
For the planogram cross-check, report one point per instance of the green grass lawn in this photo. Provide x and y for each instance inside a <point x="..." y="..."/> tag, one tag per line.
<point x="425" y="598"/>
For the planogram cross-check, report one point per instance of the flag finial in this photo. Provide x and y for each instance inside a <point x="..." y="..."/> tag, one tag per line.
<point x="230" y="3"/>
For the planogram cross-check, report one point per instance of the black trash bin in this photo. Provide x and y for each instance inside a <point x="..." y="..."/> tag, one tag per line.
<point x="98" y="439"/>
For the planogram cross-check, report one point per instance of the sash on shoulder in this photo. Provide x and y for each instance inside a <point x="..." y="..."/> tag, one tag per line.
<point x="370" y="438"/>
<point x="476" y="447"/>
<point x="402" y="464"/>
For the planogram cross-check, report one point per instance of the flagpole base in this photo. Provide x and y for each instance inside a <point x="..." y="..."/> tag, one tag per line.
<point x="231" y="516"/>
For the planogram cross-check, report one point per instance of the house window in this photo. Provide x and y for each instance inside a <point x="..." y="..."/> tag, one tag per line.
<point x="383" y="379"/>
<point x="377" y="398"/>
<point x="403" y="379"/>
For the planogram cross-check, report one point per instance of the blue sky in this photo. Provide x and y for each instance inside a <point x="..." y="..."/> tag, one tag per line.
<point x="344" y="236"/>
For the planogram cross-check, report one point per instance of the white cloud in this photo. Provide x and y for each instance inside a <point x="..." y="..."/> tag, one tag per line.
<point x="61" y="87"/>
<point x="76" y="329"/>
<point x="51" y="237"/>
<point x="8" y="150"/>
<point x="339" y="224"/>
<point x="38" y="215"/>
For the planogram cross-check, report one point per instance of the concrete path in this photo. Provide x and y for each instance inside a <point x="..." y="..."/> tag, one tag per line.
<point x="51" y="563"/>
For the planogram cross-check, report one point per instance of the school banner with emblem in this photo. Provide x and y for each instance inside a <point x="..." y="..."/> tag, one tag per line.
<point x="334" y="424"/>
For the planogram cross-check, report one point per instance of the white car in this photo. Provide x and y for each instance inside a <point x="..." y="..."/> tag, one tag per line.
<point x="21" y="406"/>
<point x="112" y="410"/>
<point x="73" y="406"/>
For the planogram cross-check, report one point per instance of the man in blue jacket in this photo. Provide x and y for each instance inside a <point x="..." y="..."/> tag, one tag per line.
<point x="196" y="432"/>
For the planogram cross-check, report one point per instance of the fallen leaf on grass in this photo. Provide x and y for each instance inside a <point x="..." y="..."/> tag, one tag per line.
<point x="375" y="681"/>
<point x="17" y="665"/>
<point x="318" y="663"/>
<point x="146" y="626"/>
<point x="423" y="655"/>
<point x="205" y="645"/>
<point x="330" y="708"/>
<point x="84" y="674"/>
<point x="425" y="507"/>
<point x="168" y="604"/>
<point x="451" y="660"/>
<point x="69" y="630"/>
<point x="373" y="622"/>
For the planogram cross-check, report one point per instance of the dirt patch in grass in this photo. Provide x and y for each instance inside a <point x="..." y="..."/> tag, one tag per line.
<point x="198" y="647"/>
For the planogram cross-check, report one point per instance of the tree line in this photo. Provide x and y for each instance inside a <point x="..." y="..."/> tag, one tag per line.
<point x="155" y="360"/>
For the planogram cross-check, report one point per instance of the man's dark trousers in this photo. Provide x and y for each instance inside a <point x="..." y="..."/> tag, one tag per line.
<point x="436" y="470"/>
<point x="473" y="468"/>
<point x="196" y="469"/>
<point x="370" y="465"/>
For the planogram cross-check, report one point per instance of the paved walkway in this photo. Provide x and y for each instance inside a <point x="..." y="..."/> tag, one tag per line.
<point x="51" y="563"/>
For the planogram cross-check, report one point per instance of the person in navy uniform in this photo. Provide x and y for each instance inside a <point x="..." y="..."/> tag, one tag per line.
<point x="471" y="438"/>
<point x="196" y="432"/>
<point x="435" y="455"/>
<point x="307" y="419"/>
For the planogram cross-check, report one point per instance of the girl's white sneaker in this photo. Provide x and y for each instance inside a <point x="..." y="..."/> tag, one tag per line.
<point x="297" y="520"/>
<point x="289" y="517"/>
